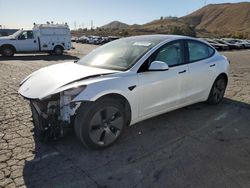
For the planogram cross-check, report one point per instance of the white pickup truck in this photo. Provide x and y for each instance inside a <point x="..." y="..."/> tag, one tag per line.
<point x="51" y="38"/>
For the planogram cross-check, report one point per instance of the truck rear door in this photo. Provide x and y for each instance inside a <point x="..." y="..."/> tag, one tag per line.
<point x="26" y="42"/>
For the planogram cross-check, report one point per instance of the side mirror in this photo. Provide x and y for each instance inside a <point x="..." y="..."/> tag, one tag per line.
<point x="158" y="66"/>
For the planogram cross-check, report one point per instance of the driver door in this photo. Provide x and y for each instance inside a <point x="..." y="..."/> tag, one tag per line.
<point x="163" y="90"/>
<point x="26" y="42"/>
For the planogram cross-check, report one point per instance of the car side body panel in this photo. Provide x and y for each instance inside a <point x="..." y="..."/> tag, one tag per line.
<point x="111" y="84"/>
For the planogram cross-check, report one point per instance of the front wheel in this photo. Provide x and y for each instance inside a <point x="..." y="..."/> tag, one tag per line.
<point x="218" y="90"/>
<point x="8" y="51"/>
<point x="100" y="124"/>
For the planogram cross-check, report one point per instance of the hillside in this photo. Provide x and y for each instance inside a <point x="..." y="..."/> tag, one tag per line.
<point x="221" y="19"/>
<point x="214" y="20"/>
<point x="169" y="25"/>
<point x="115" y="25"/>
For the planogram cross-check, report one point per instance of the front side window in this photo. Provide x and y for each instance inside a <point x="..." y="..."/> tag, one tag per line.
<point x="171" y="54"/>
<point x="198" y="51"/>
<point x="26" y="35"/>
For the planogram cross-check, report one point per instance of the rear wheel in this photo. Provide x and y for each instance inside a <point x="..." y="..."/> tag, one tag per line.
<point x="100" y="124"/>
<point x="8" y="51"/>
<point x="58" y="50"/>
<point x="218" y="90"/>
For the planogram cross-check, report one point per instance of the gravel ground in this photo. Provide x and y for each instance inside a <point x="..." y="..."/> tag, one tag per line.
<point x="196" y="146"/>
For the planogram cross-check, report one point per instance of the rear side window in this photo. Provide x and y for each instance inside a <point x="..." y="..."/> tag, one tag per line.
<point x="210" y="51"/>
<point x="198" y="51"/>
<point x="30" y="35"/>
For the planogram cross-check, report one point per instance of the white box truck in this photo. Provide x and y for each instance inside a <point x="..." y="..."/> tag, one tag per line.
<point x="51" y="38"/>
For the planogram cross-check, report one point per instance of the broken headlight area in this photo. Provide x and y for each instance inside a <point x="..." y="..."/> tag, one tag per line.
<point x="53" y="116"/>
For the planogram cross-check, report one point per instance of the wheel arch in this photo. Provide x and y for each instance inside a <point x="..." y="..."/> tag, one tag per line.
<point x="124" y="101"/>
<point x="7" y="45"/>
<point x="59" y="45"/>
<point x="223" y="75"/>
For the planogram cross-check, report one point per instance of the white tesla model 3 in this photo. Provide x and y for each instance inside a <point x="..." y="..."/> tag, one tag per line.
<point x="122" y="83"/>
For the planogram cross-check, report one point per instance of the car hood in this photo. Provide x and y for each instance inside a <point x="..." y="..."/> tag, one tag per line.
<point x="48" y="80"/>
<point x="6" y="38"/>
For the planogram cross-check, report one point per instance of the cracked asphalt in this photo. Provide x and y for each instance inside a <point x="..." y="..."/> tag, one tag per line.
<point x="196" y="146"/>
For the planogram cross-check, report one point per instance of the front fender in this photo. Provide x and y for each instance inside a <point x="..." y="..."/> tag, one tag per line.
<point x="119" y="86"/>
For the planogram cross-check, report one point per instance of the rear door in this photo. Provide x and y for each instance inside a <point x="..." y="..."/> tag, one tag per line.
<point x="163" y="90"/>
<point x="26" y="42"/>
<point x="202" y="69"/>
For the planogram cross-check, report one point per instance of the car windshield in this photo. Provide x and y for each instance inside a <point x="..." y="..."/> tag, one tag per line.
<point x="121" y="54"/>
<point x="16" y="33"/>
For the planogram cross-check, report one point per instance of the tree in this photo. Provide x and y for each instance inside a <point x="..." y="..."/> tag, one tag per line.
<point x="238" y="35"/>
<point x="190" y="31"/>
<point x="184" y="30"/>
<point x="176" y="31"/>
<point x="124" y="33"/>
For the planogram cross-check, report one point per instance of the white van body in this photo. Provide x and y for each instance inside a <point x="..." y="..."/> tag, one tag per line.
<point x="53" y="38"/>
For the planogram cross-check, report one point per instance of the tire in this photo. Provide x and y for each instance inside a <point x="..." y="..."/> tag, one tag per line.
<point x="98" y="125"/>
<point x="58" y="50"/>
<point x="8" y="51"/>
<point x="217" y="91"/>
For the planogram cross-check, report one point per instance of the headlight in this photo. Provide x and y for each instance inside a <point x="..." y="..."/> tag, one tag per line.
<point x="73" y="92"/>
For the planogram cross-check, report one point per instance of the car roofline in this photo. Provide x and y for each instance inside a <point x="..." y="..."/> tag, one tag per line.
<point x="171" y="38"/>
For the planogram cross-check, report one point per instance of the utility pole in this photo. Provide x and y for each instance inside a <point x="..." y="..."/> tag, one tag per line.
<point x="92" y="24"/>
<point x="75" y="25"/>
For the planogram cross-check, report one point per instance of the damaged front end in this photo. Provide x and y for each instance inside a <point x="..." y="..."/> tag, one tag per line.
<point x="53" y="116"/>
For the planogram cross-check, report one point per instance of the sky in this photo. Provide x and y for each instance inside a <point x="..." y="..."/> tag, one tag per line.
<point x="79" y="13"/>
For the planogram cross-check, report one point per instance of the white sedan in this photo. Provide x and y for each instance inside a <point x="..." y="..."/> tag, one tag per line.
<point x="122" y="83"/>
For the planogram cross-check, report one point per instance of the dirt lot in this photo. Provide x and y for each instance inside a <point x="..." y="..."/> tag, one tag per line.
<point x="197" y="146"/>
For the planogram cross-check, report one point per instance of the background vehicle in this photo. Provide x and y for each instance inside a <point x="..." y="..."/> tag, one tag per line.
<point x="112" y="38"/>
<point x="52" y="38"/>
<point x="232" y="41"/>
<point x="230" y="45"/>
<point x="122" y="83"/>
<point x="94" y="40"/>
<point x="7" y="32"/>
<point x="216" y="45"/>
<point x="74" y="39"/>
<point x="82" y="39"/>
<point x="245" y="43"/>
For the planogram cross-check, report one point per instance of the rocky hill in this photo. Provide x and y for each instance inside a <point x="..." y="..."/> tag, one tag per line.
<point x="213" y="20"/>
<point x="221" y="19"/>
<point x="115" y="25"/>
